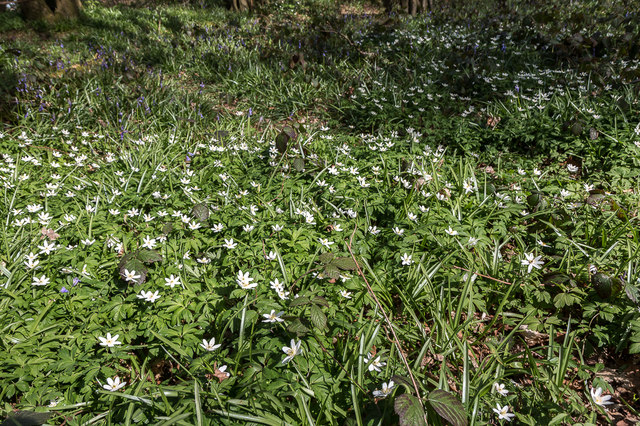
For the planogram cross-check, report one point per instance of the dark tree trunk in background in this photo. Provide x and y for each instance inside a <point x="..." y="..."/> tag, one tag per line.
<point x="242" y="5"/>
<point x="50" y="10"/>
<point x="412" y="7"/>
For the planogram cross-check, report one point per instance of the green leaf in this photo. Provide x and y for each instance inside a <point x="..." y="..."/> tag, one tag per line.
<point x="326" y="257"/>
<point x="534" y="199"/>
<point x="634" y="348"/>
<point x="565" y="299"/>
<point x="133" y="264"/>
<point x="299" y="301"/>
<point x="632" y="293"/>
<point x="149" y="256"/>
<point x="331" y="271"/>
<point x="26" y="418"/>
<point x="290" y="132"/>
<point x="318" y="318"/>
<point x="403" y="381"/>
<point x="345" y="263"/>
<point x="408" y="408"/>
<point x="298" y="164"/>
<point x="319" y="300"/>
<point x="576" y="129"/>
<point x="606" y="286"/>
<point x="556" y="278"/>
<point x="489" y="188"/>
<point x="281" y="142"/>
<point x="167" y="228"/>
<point x="448" y="407"/>
<point x="596" y="196"/>
<point x="297" y="327"/>
<point x="200" y="211"/>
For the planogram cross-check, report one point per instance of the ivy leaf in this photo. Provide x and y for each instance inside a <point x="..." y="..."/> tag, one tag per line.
<point x="448" y="407"/>
<point x="318" y="318"/>
<point x="408" y="408"/>
<point x="200" y="211"/>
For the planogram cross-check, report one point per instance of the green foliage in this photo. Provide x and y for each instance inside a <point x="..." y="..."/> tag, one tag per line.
<point x="478" y="176"/>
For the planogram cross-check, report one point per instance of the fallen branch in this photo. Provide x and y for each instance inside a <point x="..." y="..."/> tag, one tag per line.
<point x="484" y="276"/>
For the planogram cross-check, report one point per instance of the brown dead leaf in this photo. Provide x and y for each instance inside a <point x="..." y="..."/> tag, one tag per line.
<point x="49" y="233"/>
<point x="493" y="121"/>
<point x="221" y="374"/>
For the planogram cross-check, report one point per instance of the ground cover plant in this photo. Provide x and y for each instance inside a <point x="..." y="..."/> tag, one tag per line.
<point x="321" y="213"/>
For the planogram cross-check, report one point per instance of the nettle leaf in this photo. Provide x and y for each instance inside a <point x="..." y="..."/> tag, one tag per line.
<point x="448" y="407"/>
<point x="408" y="408"/>
<point x="345" y="263"/>
<point x="298" y="164"/>
<point x="326" y="257"/>
<point x="318" y="318"/>
<point x="148" y="256"/>
<point x="200" y="211"/>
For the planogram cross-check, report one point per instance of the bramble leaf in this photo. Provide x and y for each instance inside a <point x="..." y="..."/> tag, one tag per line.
<point x="448" y="407"/>
<point x="408" y="408"/>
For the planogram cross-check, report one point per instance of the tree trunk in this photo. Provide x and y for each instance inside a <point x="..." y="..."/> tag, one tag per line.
<point x="413" y="7"/>
<point x="404" y="5"/>
<point x="242" y="5"/>
<point x="50" y="10"/>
